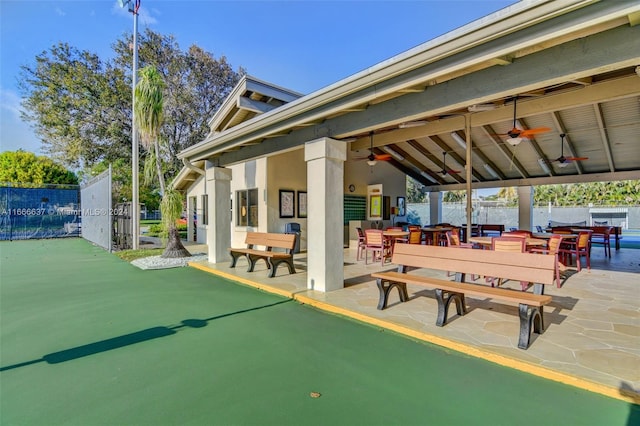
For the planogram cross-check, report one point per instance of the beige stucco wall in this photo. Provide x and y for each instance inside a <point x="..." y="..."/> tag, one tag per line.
<point x="286" y="171"/>
<point x="289" y="171"/>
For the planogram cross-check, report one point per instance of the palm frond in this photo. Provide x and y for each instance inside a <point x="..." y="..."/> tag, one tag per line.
<point x="149" y="104"/>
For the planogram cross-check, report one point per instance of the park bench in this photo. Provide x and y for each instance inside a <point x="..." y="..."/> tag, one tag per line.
<point x="285" y="243"/>
<point x="535" y="268"/>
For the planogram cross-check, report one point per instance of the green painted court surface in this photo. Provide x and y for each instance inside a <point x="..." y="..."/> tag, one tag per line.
<point x="88" y="339"/>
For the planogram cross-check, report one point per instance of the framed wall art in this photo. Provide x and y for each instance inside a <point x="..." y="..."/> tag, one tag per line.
<point x="287" y="203"/>
<point x="375" y="206"/>
<point x="302" y="204"/>
<point x="401" y="207"/>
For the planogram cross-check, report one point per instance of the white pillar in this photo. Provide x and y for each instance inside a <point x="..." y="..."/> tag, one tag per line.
<point x="325" y="220"/>
<point x="435" y="208"/>
<point x="525" y="207"/>
<point x="218" y="187"/>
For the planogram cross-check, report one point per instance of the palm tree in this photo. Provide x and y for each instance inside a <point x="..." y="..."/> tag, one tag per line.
<point x="149" y="108"/>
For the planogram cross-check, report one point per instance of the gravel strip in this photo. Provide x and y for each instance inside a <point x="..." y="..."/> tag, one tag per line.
<point x="157" y="262"/>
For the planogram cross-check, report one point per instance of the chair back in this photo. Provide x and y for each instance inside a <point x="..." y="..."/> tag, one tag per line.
<point x="413" y="227"/>
<point x="510" y="244"/>
<point x="394" y="228"/>
<point x="602" y="230"/>
<point x="518" y="232"/>
<point x="361" y="236"/>
<point x="415" y="236"/>
<point x="554" y="244"/>
<point x="453" y="239"/>
<point x="583" y="240"/>
<point x="374" y="237"/>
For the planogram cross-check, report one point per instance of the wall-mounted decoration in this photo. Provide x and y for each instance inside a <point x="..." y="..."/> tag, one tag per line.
<point x="287" y="203"/>
<point x="375" y="206"/>
<point x="401" y="207"/>
<point x="302" y="203"/>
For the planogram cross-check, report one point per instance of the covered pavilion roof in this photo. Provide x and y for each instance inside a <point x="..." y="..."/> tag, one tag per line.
<point x="571" y="67"/>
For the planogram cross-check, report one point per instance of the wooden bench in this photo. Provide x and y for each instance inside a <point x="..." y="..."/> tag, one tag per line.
<point x="268" y="241"/>
<point x="536" y="268"/>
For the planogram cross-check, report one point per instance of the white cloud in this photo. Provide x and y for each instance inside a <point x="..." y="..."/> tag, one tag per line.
<point x="14" y="133"/>
<point x="10" y="101"/>
<point x="60" y="12"/>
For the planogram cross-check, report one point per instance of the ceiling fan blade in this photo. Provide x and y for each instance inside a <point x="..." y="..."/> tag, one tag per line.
<point x="576" y="158"/>
<point x="382" y="157"/>
<point x="535" y="131"/>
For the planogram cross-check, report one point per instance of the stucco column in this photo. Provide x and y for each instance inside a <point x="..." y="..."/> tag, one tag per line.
<point x="325" y="218"/>
<point x="218" y="187"/>
<point x="435" y="208"/>
<point x="525" y="207"/>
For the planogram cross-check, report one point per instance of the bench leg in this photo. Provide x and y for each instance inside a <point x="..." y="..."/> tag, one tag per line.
<point x="529" y="316"/>
<point x="273" y="265"/>
<point x="234" y="258"/>
<point x="444" y="299"/>
<point x="253" y="258"/>
<point x="385" y="288"/>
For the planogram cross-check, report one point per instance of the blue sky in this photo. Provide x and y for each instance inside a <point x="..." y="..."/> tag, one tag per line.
<point x="301" y="45"/>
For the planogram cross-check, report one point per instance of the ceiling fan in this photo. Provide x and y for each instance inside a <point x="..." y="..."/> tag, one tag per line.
<point x="444" y="170"/>
<point x="564" y="161"/>
<point x="373" y="158"/>
<point x="516" y="135"/>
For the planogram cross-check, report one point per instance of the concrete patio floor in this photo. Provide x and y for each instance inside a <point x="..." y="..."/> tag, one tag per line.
<point x="592" y="327"/>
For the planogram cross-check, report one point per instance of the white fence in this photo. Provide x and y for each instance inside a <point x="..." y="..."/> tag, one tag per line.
<point x="95" y="202"/>
<point x="455" y="213"/>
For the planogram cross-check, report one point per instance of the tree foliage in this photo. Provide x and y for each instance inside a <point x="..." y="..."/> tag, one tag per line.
<point x="619" y="193"/>
<point x="80" y="105"/>
<point x="24" y="168"/>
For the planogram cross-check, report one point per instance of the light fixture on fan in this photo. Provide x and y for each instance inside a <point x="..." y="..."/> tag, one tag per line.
<point x="515" y="141"/>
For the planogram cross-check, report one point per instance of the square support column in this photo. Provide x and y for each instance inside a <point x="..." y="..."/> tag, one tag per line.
<point x="325" y="218"/>
<point x="218" y="187"/>
<point x="525" y="207"/>
<point x="435" y="208"/>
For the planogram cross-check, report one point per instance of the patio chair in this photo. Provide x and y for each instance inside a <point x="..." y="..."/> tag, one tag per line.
<point x="453" y="240"/>
<point x="602" y="236"/>
<point x="361" y="243"/>
<point x="580" y="247"/>
<point x="514" y="244"/>
<point x="377" y="244"/>
<point x="553" y="247"/>
<point x="415" y="236"/>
